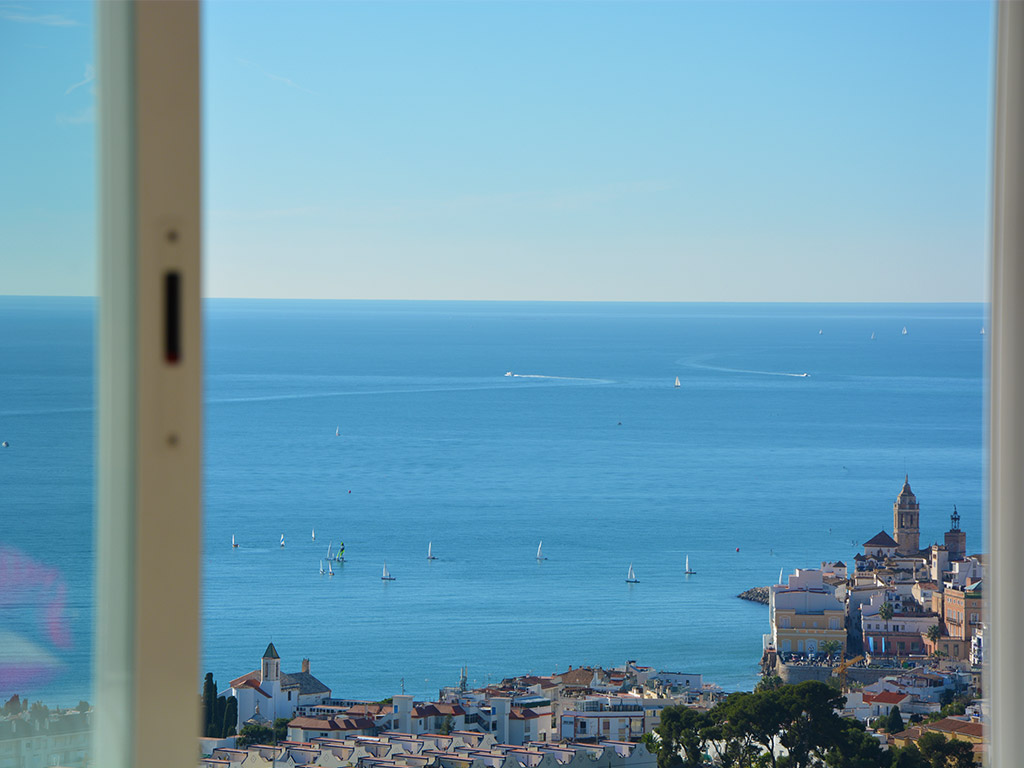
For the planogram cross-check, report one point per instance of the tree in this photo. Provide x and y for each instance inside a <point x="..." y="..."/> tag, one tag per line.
<point x="38" y="711"/>
<point x="768" y="683"/>
<point x="811" y="726"/>
<point x="885" y="613"/>
<point x="855" y="748"/>
<point x="209" y="705"/>
<point x="446" y="725"/>
<point x="934" y="633"/>
<point x="83" y="706"/>
<point x="280" y="729"/>
<point x="230" y="717"/>
<point x="908" y="757"/>
<point x="255" y="734"/>
<point x="13" y="705"/>
<point x="894" y="723"/>
<point x="681" y="728"/>
<point x="830" y="647"/>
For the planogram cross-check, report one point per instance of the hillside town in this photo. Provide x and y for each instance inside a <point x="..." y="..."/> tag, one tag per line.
<point x="895" y="645"/>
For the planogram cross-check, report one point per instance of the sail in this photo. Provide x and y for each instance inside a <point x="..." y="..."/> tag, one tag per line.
<point x="538" y="549"/>
<point x="322" y="566"/>
<point x="385" y="574"/>
<point x="233" y="540"/>
<point x="677" y="381"/>
<point x="430" y="555"/>
<point x="314" y="534"/>
<point x="341" y="548"/>
<point x="329" y="545"/>
<point x="687" y="563"/>
<point x="631" y="576"/>
<point x="330" y="569"/>
<point x="780" y="576"/>
<point x="282" y="539"/>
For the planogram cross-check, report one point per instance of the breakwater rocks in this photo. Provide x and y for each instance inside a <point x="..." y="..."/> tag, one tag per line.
<point x="755" y="595"/>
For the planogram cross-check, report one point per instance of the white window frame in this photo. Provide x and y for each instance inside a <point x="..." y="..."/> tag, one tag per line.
<point x="149" y="438"/>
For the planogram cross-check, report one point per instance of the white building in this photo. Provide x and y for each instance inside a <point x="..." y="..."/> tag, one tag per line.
<point x="268" y="693"/>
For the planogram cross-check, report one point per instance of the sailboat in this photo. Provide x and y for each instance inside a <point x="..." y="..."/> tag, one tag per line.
<point x="233" y="541"/>
<point x="282" y="539"/>
<point x="820" y="331"/>
<point x="688" y="571"/>
<point x="872" y="335"/>
<point x="386" y="576"/>
<point x="340" y="556"/>
<point x="330" y="569"/>
<point x="322" y="567"/>
<point x="904" y="331"/>
<point x="539" y="555"/>
<point x="982" y="330"/>
<point x="337" y="431"/>
<point x="329" y="545"/>
<point x="314" y="534"/>
<point x="631" y="577"/>
<point x="780" y="575"/>
<point x="677" y="382"/>
<point x="430" y="553"/>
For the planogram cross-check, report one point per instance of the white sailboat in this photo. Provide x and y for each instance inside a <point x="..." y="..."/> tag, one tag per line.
<point x="337" y="431"/>
<point x="330" y="568"/>
<point x="329" y="545"/>
<point x="233" y="541"/>
<point x="688" y="571"/>
<point x="872" y="335"/>
<point x="820" y="331"/>
<point x="386" y="576"/>
<point x="322" y="567"/>
<point x="314" y="534"/>
<point x="677" y="382"/>
<point x="904" y="331"/>
<point x="539" y="555"/>
<point x="982" y="330"/>
<point x="631" y="577"/>
<point x="430" y="551"/>
<point x="780" y="575"/>
<point x="282" y="539"/>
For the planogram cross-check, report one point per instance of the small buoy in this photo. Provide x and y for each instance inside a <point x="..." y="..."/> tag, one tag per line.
<point x="737" y="549"/>
<point x="350" y="491"/>
<point x="620" y="423"/>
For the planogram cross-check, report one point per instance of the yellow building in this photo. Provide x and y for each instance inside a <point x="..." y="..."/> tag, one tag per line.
<point x="805" y="613"/>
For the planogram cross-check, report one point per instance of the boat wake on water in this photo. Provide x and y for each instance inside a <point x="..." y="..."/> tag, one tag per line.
<point x="557" y="378"/>
<point x="753" y="372"/>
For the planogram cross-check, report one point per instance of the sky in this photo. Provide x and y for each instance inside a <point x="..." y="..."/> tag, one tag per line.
<point x="661" y="151"/>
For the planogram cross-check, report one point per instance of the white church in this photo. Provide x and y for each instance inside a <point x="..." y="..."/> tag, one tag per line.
<point x="266" y="694"/>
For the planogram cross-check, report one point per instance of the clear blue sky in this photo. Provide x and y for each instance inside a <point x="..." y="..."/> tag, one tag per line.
<point x="682" y="151"/>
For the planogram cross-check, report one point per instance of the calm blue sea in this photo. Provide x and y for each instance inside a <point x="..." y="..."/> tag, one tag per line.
<point x="747" y="467"/>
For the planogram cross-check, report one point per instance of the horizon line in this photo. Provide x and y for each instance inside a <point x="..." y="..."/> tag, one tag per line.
<point x="528" y="301"/>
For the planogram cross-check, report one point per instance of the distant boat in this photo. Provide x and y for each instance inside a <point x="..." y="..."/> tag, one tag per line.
<point x="508" y="373"/>
<point x="631" y="577"/>
<point x="314" y="534"/>
<point x="539" y="555"/>
<point x="5" y="444"/>
<point x="677" y="382"/>
<point x="233" y="541"/>
<point x="820" y="331"/>
<point x="803" y="375"/>
<point x="282" y="539"/>
<point x="340" y="556"/>
<point x="386" y="576"/>
<point x="982" y="333"/>
<point x="322" y="566"/>
<point x="330" y="570"/>
<point x="780" y="575"/>
<point x="904" y="331"/>
<point x="337" y="431"/>
<point x="688" y="570"/>
<point x="872" y="335"/>
<point x="430" y="553"/>
<point x="329" y="545"/>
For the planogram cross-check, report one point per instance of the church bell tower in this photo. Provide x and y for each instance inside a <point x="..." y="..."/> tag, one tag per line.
<point x="905" y="521"/>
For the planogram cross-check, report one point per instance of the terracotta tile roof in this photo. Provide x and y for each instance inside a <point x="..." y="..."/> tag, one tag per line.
<point x="522" y="714"/>
<point x="953" y="725"/>
<point x="885" y="697"/>
<point x="239" y="680"/>
<point x="331" y="724"/>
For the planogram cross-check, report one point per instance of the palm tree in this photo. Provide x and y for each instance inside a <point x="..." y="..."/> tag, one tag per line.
<point x="885" y="613"/>
<point x="934" y="633"/>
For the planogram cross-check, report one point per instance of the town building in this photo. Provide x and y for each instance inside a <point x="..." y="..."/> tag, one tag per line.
<point x="906" y="521"/>
<point x="804" y="613"/>
<point x="268" y="693"/>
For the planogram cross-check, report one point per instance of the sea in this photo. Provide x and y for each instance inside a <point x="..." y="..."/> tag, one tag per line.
<point x="482" y="429"/>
